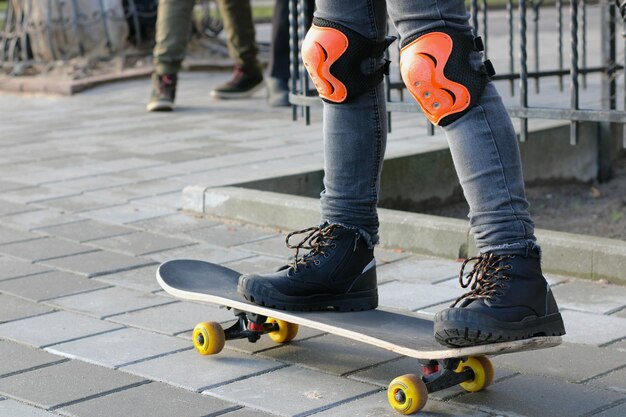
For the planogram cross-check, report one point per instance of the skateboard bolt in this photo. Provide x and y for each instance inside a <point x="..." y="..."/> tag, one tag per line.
<point x="400" y="397"/>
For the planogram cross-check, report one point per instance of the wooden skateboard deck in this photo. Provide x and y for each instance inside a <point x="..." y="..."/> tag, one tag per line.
<point x="402" y="332"/>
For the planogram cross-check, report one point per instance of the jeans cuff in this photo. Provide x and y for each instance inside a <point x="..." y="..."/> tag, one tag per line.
<point x="525" y="248"/>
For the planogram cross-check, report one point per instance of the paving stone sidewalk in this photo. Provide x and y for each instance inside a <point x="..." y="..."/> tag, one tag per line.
<point x="90" y="190"/>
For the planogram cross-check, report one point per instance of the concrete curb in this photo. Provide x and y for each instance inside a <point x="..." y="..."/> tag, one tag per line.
<point x="564" y="253"/>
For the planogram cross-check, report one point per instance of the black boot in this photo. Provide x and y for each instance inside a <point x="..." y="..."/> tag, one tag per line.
<point x="509" y="300"/>
<point x="339" y="272"/>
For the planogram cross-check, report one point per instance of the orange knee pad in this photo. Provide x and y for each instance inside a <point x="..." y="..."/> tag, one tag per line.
<point x="436" y="69"/>
<point x="333" y="56"/>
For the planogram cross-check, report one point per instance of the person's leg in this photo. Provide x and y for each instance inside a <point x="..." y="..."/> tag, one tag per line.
<point x="239" y="26"/>
<point x="339" y="271"/>
<point x="172" y="33"/>
<point x="279" y="67"/>
<point x="510" y="298"/>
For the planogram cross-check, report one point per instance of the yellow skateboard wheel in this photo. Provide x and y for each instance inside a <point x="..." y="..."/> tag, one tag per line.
<point x="483" y="373"/>
<point x="407" y="394"/>
<point x="286" y="331"/>
<point x="209" y="338"/>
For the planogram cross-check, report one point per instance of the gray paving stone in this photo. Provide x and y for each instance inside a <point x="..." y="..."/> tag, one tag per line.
<point x="617" y="411"/>
<point x="195" y="372"/>
<point x="592" y="297"/>
<point x="8" y="208"/>
<point x="11" y="408"/>
<point x="621" y="313"/>
<point x="615" y="381"/>
<point x="108" y="301"/>
<point x="294" y="391"/>
<point x="119" y="347"/>
<point x="86" y="230"/>
<point x="98" y="263"/>
<point x="8" y="185"/>
<point x="55" y="385"/>
<point x="13" y="268"/>
<point x="331" y="354"/>
<point x="388" y="255"/>
<point x="126" y="213"/>
<point x="376" y="405"/>
<point x="53" y="328"/>
<point x="416" y="270"/>
<point x="173" y="318"/>
<point x="140" y="243"/>
<point x="49" y="285"/>
<point x="247" y="412"/>
<point x="227" y="235"/>
<point x="257" y="264"/>
<point x="203" y="252"/>
<point x="534" y="396"/>
<point x="405" y="295"/>
<point x="142" y="279"/>
<point x="592" y="329"/>
<point x="274" y="246"/>
<point x="174" y="224"/>
<point x="13" y="308"/>
<point x="569" y="362"/>
<point x="12" y="235"/>
<point x="33" y="220"/>
<point x="78" y="203"/>
<point x="44" y="249"/>
<point x="35" y="194"/>
<point x="165" y="401"/>
<point x="264" y="343"/>
<point x="17" y="357"/>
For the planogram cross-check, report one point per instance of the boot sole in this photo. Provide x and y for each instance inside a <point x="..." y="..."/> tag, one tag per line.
<point x="462" y="328"/>
<point x="354" y="301"/>
<point x="160" y="106"/>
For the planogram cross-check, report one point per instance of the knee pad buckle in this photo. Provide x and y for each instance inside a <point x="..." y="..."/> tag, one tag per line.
<point x="436" y="69"/>
<point x="333" y="56"/>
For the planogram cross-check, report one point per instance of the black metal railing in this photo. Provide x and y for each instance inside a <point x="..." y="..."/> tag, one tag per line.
<point x="526" y="68"/>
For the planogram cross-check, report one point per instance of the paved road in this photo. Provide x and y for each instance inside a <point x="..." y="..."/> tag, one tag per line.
<point x="90" y="188"/>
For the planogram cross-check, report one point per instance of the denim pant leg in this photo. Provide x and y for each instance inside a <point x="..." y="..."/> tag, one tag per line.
<point x="355" y="133"/>
<point x="483" y="143"/>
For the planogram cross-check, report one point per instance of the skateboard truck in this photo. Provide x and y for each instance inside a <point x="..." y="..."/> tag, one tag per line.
<point x="439" y="375"/>
<point x="249" y="326"/>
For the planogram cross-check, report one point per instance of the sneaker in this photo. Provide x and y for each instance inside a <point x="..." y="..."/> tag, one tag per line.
<point x="338" y="272"/>
<point x="163" y="92"/>
<point x="243" y="84"/>
<point x="509" y="299"/>
<point x="278" y="92"/>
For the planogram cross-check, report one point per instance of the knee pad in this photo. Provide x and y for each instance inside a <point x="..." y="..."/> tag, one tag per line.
<point x="436" y="69"/>
<point x="333" y="56"/>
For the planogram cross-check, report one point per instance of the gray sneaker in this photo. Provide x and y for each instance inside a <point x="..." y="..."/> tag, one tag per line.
<point x="163" y="92"/>
<point x="245" y="83"/>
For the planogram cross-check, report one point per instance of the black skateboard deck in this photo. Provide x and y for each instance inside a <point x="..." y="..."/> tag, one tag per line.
<point x="398" y="331"/>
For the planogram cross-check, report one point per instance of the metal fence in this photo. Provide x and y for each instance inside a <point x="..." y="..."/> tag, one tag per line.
<point x="521" y="64"/>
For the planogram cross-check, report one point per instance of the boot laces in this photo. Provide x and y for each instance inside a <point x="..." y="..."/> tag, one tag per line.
<point x="485" y="278"/>
<point x="317" y="239"/>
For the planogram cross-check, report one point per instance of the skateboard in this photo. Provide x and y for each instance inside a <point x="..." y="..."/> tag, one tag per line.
<point x="402" y="332"/>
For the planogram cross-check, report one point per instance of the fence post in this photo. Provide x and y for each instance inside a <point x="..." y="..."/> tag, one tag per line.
<point x="609" y="87"/>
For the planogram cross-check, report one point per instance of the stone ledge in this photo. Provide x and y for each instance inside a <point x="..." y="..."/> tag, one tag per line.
<point x="565" y="253"/>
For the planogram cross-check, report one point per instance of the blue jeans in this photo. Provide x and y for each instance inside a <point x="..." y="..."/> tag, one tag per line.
<point x="483" y="143"/>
